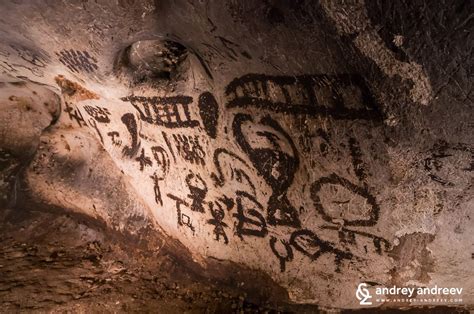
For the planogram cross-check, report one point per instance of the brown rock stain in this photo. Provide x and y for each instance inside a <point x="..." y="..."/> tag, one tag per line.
<point x="73" y="90"/>
<point x="413" y="259"/>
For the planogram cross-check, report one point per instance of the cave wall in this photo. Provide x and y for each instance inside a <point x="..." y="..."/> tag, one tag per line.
<point x="314" y="142"/>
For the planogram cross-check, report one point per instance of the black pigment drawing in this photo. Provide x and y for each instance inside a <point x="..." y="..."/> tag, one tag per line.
<point x="440" y="154"/>
<point x="162" y="159"/>
<point x="156" y="188"/>
<point x="183" y="219"/>
<point x="93" y="123"/>
<point x="189" y="148"/>
<point x="39" y="58"/>
<point x="209" y="112"/>
<point x="309" y="244"/>
<point x="197" y="191"/>
<point x="275" y="165"/>
<point x="218" y="214"/>
<point x="100" y="114"/>
<point x="236" y="172"/>
<point x="350" y="237"/>
<point x="130" y="122"/>
<point x="74" y="114"/>
<point x="304" y="94"/>
<point x="170" y="112"/>
<point x="115" y="137"/>
<point x="144" y="160"/>
<point x="250" y="221"/>
<point x="369" y="218"/>
<point x="78" y="61"/>
<point x="287" y="256"/>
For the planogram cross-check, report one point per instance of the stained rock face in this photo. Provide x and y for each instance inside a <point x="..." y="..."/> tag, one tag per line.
<point x="319" y="145"/>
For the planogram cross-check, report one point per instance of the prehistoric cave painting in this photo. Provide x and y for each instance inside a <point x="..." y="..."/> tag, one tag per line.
<point x="357" y="162"/>
<point x="250" y="221"/>
<point x="237" y="174"/>
<point x="144" y="160"/>
<point x="145" y="137"/>
<point x="170" y="112"/>
<point x="77" y="61"/>
<point x="348" y="236"/>
<point x="189" y="148"/>
<point x="230" y="52"/>
<point x="99" y="114"/>
<point x="343" y="203"/>
<point x="450" y="164"/>
<point x="198" y="190"/>
<point x="218" y="214"/>
<point x="10" y="67"/>
<point x="340" y="196"/>
<point x="339" y="96"/>
<point x="268" y="151"/>
<point x="274" y="163"/>
<point x="7" y="67"/>
<point x="186" y="221"/>
<point x="162" y="160"/>
<point x="285" y="257"/>
<point x="209" y="112"/>
<point x="130" y="122"/>
<point x="168" y="144"/>
<point x="115" y="137"/>
<point x="310" y="245"/>
<point x="156" y="188"/>
<point x="74" y="114"/>
<point x="323" y="146"/>
<point x="37" y="58"/>
<point x="183" y="219"/>
<point x="316" y="142"/>
<point x="93" y="124"/>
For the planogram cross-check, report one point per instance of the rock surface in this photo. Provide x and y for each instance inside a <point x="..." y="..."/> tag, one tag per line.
<point x="288" y="150"/>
